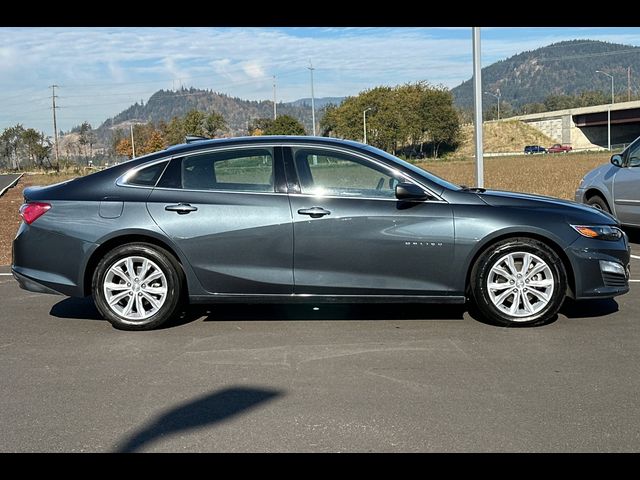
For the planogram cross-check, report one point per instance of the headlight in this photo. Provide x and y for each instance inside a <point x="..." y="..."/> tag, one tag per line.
<point x="601" y="232"/>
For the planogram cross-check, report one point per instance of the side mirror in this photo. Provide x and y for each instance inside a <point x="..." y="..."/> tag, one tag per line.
<point x="616" y="160"/>
<point x="410" y="191"/>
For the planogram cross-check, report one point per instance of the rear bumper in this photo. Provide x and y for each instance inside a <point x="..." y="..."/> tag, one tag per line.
<point x="48" y="262"/>
<point x="32" y="285"/>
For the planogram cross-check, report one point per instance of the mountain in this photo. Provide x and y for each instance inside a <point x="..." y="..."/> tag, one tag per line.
<point x="561" y="68"/>
<point x="166" y="104"/>
<point x="318" y="102"/>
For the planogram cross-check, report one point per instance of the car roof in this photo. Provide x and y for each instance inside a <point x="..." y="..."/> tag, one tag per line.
<point x="258" y="140"/>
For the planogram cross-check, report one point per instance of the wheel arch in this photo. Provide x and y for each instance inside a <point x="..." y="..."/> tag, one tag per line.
<point x="593" y="192"/>
<point x="481" y="249"/>
<point x="119" y="240"/>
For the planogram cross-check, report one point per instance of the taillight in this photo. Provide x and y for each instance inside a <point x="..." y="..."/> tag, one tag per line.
<point x="30" y="212"/>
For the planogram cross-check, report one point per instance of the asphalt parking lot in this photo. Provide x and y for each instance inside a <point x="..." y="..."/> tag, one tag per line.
<point x="7" y="181"/>
<point x="344" y="378"/>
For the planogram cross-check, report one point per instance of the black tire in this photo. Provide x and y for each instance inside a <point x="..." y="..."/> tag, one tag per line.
<point x="598" y="202"/>
<point x="168" y="266"/>
<point x="481" y="273"/>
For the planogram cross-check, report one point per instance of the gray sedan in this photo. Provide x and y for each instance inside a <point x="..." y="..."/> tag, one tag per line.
<point x="304" y="219"/>
<point x="615" y="187"/>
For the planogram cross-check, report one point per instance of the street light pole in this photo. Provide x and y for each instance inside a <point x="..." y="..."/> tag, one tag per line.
<point x="275" y="111"/>
<point x="613" y="100"/>
<point x="477" y="105"/>
<point x="364" y="123"/>
<point x="498" y="97"/>
<point x="313" y="105"/>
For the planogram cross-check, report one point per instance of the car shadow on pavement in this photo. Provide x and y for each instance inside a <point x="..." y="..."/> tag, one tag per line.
<point x="588" y="308"/>
<point x="201" y="412"/>
<point x="83" y="308"/>
<point x="80" y="308"/>
<point x="334" y="311"/>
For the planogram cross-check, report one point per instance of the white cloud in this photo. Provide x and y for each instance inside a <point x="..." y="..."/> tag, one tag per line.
<point x="253" y="70"/>
<point x="103" y="70"/>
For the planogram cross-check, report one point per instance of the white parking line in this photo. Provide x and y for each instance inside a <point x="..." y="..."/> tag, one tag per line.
<point x="637" y="257"/>
<point x="6" y="273"/>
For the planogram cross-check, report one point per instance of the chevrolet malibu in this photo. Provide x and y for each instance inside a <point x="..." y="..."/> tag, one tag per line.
<point x="307" y="219"/>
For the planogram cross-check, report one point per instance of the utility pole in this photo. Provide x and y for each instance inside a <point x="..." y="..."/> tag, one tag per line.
<point x="313" y="104"/>
<point x="133" y="143"/>
<point x="498" y="97"/>
<point x="55" y="125"/>
<point x="275" y="114"/>
<point x="477" y="104"/>
<point x="364" y="123"/>
<point x="629" y="83"/>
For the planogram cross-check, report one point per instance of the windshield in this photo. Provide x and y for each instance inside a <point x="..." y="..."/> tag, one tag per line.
<point x="430" y="176"/>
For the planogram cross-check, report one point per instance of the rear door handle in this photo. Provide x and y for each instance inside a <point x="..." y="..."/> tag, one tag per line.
<point x="314" y="212"/>
<point x="181" y="208"/>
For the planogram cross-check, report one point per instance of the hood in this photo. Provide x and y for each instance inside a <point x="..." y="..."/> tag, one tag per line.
<point x="573" y="211"/>
<point x="603" y="173"/>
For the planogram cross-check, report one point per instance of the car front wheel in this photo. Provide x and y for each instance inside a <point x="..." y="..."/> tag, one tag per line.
<point x="599" y="203"/>
<point x="137" y="286"/>
<point x="519" y="282"/>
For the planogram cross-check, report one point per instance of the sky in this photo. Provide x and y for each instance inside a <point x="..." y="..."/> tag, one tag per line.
<point x="103" y="70"/>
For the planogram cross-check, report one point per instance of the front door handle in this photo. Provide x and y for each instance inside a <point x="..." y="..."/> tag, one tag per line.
<point x="181" y="208"/>
<point x="314" y="212"/>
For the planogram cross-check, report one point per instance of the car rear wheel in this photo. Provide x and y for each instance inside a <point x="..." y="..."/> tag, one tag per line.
<point x="598" y="202"/>
<point x="137" y="286"/>
<point x="519" y="282"/>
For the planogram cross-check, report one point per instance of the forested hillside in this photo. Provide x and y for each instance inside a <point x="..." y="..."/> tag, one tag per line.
<point x="564" y="68"/>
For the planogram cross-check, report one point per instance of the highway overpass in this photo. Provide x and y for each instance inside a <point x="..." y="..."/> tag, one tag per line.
<point x="586" y="127"/>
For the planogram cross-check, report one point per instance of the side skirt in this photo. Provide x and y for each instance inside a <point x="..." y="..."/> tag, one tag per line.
<point x="309" y="298"/>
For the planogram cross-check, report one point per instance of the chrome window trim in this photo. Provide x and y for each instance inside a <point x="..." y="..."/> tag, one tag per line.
<point x="393" y="199"/>
<point x="122" y="179"/>
<point x="216" y="191"/>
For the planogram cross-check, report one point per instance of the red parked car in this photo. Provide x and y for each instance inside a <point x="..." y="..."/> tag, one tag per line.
<point x="557" y="148"/>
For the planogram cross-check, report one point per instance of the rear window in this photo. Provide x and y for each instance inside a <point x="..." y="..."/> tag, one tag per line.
<point x="146" y="177"/>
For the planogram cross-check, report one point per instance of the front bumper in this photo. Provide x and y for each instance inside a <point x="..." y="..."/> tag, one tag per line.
<point x="588" y="258"/>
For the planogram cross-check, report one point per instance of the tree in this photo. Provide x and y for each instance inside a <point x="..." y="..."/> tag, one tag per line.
<point x="402" y="118"/>
<point x="329" y="120"/>
<point x="193" y="124"/>
<point x="38" y="146"/>
<point x="153" y="141"/>
<point x="87" y="137"/>
<point x="259" y="126"/>
<point x="123" y="148"/>
<point x="441" y="120"/>
<point x="285" y="125"/>
<point x="12" y="143"/>
<point x="213" y="124"/>
<point x="173" y="132"/>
